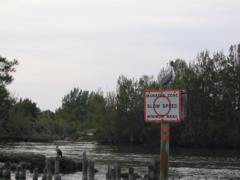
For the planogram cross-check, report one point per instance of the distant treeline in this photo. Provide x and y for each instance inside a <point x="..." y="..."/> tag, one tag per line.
<point x="213" y="108"/>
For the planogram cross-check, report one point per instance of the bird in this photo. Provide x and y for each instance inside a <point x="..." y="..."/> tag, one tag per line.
<point x="166" y="79"/>
<point x="59" y="152"/>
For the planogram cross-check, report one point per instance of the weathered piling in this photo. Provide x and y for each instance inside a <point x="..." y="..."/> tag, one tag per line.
<point x="6" y="170"/>
<point x="117" y="169"/>
<point x="108" y="174"/>
<point x="131" y="175"/>
<point x="112" y="172"/>
<point x="57" y="168"/>
<point x="22" y="170"/>
<point x="151" y="173"/>
<point x="17" y="171"/>
<point x="35" y="174"/>
<point x="49" y="170"/>
<point x="84" y="166"/>
<point x="57" y="165"/>
<point x="115" y="173"/>
<point x="90" y="170"/>
<point x="44" y="174"/>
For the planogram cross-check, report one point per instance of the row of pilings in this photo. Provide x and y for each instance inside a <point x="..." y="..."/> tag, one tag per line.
<point x="47" y="172"/>
<point x="115" y="173"/>
<point x="20" y="172"/>
<point x="88" y="171"/>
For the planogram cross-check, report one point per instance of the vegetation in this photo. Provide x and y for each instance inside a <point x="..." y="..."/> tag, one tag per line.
<point x="213" y="117"/>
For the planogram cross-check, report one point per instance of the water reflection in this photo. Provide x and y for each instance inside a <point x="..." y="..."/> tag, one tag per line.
<point x="184" y="163"/>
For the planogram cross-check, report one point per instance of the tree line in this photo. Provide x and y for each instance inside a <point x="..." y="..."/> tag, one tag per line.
<point x="213" y="108"/>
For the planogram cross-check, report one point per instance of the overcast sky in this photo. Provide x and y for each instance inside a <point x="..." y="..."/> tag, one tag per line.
<point x="63" y="44"/>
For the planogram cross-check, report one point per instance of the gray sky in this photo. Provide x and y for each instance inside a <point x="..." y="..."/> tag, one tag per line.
<point x="62" y="44"/>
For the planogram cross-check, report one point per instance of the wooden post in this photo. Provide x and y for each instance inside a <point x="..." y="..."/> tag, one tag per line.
<point x="49" y="170"/>
<point x="35" y="174"/>
<point x="151" y="173"/>
<point x="44" y="174"/>
<point x="90" y="170"/>
<point x="108" y="174"/>
<point x="57" y="165"/>
<point x="7" y="170"/>
<point x="112" y="172"/>
<point x="131" y="175"/>
<point x="22" y="172"/>
<point x="57" y="168"/>
<point x="17" y="172"/>
<point x="84" y="166"/>
<point x="117" y="169"/>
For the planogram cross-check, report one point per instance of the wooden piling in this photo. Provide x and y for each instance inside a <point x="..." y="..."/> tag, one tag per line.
<point x="112" y="172"/>
<point x="49" y="170"/>
<point x="90" y="170"/>
<point x="57" y="168"/>
<point x="22" y="170"/>
<point x="131" y="175"/>
<point x="117" y="169"/>
<point x="57" y="177"/>
<point x="84" y="166"/>
<point x="17" y="171"/>
<point x="151" y="173"/>
<point x="57" y="165"/>
<point x="108" y="174"/>
<point x="7" y="170"/>
<point x="44" y="174"/>
<point x="35" y="174"/>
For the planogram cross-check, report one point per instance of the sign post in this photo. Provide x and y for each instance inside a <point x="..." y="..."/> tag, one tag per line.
<point x="163" y="106"/>
<point x="164" y="150"/>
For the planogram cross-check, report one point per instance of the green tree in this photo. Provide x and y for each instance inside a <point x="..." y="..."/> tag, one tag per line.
<point x="124" y="129"/>
<point x="126" y="123"/>
<point x="212" y="84"/>
<point x="28" y="108"/>
<point x="6" y="68"/>
<point x="75" y="104"/>
<point x="19" y="126"/>
<point x="6" y="101"/>
<point x="21" y="118"/>
<point x="104" y="117"/>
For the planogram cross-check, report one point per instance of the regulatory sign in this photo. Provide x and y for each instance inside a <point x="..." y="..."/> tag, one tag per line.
<point x="162" y="106"/>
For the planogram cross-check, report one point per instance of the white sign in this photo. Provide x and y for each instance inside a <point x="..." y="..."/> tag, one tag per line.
<point x="162" y="106"/>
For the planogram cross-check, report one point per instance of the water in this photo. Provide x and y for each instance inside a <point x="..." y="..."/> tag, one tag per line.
<point x="183" y="163"/>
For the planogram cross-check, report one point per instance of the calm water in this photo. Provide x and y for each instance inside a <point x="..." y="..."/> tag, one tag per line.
<point x="183" y="164"/>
